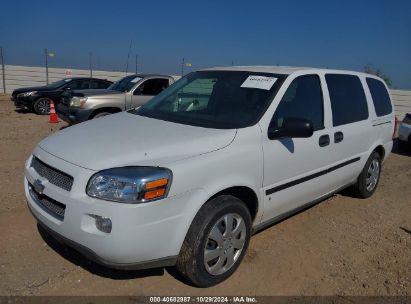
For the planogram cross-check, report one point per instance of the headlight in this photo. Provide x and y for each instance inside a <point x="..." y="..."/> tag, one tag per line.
<point x="130" y="184"/>
<point x="27" y="94"/>
<point x="78" y="101"/>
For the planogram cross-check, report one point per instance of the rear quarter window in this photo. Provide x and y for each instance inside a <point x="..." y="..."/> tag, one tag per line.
<point x="348" y="101"/>
<point x="380" y="97"/>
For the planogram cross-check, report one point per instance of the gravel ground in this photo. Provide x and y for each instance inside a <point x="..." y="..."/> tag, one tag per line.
<point x="342" y="246"/>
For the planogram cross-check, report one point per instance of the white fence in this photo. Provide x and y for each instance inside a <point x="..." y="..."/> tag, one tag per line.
<point x="23" y="76"/>
<point x="402" y="102"/>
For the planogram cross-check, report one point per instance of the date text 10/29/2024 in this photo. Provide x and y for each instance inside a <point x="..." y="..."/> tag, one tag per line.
<point x="203" y="299"/>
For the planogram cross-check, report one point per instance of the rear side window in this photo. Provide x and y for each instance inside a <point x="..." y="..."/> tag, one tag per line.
<point x="348" y="100"/>
<point x="303" y="99"/>
<point x="380" y="97"/>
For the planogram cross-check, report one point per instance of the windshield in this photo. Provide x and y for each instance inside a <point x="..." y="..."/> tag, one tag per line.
<point x="57" y="84"/>
<point x="215" y="99"/>
<point x="125" y="84"/>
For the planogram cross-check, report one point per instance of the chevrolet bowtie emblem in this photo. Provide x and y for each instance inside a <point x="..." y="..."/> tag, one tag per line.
<point x="38" y="186"/>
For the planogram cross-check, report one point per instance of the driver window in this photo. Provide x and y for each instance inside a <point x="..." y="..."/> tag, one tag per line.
<point x="303" y="99"/>
<point x="78" y="85"/>
<point x="74" y="85"/>
<point x="151" y="87"/>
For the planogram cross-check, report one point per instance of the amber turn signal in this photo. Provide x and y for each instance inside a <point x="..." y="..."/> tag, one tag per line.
<point x="154" y="193"/>
<point x="157" y="183"/>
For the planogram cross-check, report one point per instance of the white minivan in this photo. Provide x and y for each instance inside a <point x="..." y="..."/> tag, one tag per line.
<point x="187" y="178"/>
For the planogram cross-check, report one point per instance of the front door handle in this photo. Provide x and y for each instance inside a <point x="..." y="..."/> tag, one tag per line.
<point x="338" y="137"/>
<point x="324" y="140"/>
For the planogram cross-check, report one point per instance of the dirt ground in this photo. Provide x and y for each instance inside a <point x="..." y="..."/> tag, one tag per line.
<point x="342" y="246"/>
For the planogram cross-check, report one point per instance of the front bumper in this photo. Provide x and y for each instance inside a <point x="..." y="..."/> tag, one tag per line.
<point x="143" y="235"/>
<point x="22" y="102"/>
<point x="72" y="115"/>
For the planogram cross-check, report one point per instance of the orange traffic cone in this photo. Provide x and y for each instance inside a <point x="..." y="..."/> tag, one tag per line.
<point x="53" y="115"/>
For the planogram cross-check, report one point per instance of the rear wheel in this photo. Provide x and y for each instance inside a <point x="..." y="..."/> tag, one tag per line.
<point x="216" y="241"/>
<point x="368" y="180"/>
<point x="42" y="106"/>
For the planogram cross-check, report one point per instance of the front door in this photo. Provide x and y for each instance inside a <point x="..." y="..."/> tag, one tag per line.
<point x="294" y="168"/>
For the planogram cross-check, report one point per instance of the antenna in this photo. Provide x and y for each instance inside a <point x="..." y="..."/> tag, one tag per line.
<point x="128" y="55"/>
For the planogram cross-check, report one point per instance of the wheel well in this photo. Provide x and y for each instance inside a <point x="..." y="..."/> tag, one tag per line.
<point x="107" y="109"/>
<point x="380" y="150"/>
<point x="245" y="194"/>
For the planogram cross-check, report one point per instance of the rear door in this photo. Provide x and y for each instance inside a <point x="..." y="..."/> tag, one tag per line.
<point x="147" y="89"/>
<point x="351" y="133"/>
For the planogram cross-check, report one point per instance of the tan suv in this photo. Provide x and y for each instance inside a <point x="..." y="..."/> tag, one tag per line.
<point x="129" y="92"/>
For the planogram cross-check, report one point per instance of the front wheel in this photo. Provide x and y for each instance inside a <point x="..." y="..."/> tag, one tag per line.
<point x="216" y="241"/>
<point x="370" y="176"/>
<point x="101" y="114"/>
<point x="42" y="106"/>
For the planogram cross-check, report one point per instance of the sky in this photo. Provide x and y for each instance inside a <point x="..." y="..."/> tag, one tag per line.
<point x="335" y="34"/>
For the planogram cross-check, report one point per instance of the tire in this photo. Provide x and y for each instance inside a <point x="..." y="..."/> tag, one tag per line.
<point x="367" y="181"/>
<point x="42" y="106"/>
<point x="191" y="263"/>
<point x="101" y="114"/>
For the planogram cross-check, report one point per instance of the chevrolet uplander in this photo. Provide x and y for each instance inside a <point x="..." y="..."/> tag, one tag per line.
<point x="187" y="178"/>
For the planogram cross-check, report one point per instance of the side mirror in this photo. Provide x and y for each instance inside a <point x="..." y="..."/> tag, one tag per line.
<point x="292" y="128"/>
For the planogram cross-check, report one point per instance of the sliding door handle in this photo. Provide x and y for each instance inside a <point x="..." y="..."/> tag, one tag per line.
<point x="338" y="137"/>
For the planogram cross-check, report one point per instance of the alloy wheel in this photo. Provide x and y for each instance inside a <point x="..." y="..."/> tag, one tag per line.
<point x="224" y="244"/>
<point x="373" y="174"/>
<point x="43" y="106"/>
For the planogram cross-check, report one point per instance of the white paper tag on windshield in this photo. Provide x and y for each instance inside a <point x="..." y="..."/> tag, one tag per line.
<point x="136" y="79"/>
<point x="259" y="82"/>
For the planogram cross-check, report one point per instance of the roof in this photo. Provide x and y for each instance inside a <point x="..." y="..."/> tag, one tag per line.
<point x="150" y="75"/>
<point x="83" y="77"/>
<point x="285" y="70"/>
<point x="262" y="68"/>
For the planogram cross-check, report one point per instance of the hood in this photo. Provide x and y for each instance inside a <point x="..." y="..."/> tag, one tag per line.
<point x="126" y="139"/>
<point x="28" y="89"/>
<point x="96" y="92"/>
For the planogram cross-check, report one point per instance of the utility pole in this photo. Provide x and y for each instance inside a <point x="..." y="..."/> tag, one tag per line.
<point x="90" y="59"/>
<point x="47" y="67"/>
<point x="128" y="55"/>
<point x="2" y="70"/>
<point x="182" y="68"/>
<point x="136" y="63"/>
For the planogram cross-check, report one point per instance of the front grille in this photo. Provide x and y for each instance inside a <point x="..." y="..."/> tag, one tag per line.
<point x="54" y="176"/>
<point x="48" y="204"/>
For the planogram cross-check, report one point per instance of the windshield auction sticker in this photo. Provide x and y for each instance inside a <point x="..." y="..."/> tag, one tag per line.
<point x="135" y="79"/>
<point x="259" y="82"/>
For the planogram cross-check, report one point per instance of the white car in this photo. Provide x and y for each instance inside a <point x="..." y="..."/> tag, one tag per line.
<point x="187" y="178"/>
<point x="404" y="133"/>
